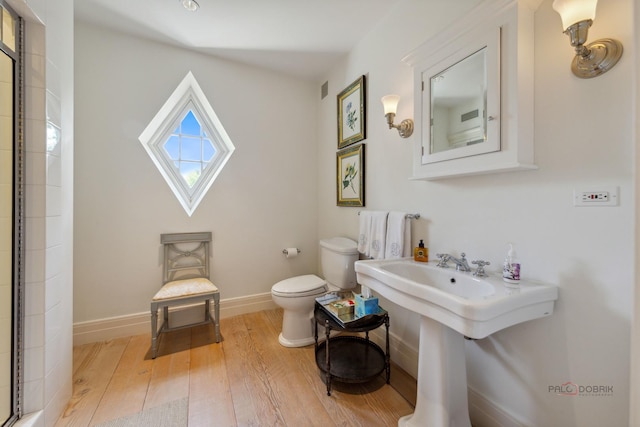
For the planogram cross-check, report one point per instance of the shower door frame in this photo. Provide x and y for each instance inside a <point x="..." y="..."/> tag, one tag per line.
<point x="18" y="220"/>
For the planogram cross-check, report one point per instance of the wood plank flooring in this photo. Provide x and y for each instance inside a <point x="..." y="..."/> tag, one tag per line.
<point x="248" y="379"/>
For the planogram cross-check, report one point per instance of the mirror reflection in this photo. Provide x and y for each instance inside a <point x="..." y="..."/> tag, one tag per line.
<point x="459" y="104"/>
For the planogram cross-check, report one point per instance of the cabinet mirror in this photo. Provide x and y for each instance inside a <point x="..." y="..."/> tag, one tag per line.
<point x="458" y="104"/>
<point x="473" y="86"/>
<point x="461" y="99"/>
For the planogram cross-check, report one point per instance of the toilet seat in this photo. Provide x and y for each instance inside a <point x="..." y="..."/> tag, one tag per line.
<point x="300" y="286"/>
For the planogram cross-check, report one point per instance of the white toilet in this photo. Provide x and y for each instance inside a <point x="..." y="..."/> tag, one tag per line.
<point x="297" y="295"/>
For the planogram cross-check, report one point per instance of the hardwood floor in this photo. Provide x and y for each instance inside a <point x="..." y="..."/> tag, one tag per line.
<point x="248" y="379"/>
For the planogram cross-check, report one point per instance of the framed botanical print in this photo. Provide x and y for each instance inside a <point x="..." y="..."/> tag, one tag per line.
<point x="350" y="176"/>
<point x="351" y="113"/>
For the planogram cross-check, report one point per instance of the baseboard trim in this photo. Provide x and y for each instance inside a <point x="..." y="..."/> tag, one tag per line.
<point x="140" y="323"/>
<point x="403" y="355"/>
<point x="33" y="419"/>
<point x="485" y="413"/>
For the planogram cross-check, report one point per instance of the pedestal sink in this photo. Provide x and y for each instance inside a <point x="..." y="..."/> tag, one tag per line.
<point x="452" y="305"/>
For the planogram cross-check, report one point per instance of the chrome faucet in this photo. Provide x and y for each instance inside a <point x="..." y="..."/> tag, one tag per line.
<point x="461" y="264"/>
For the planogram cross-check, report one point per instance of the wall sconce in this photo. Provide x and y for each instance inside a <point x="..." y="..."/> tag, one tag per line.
<point x="390" y="103"/>
<point x="595" y="58"/>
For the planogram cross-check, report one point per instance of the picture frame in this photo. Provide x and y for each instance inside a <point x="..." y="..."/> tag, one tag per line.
<point x="351" y="113"/>
<point x="350" y="176"/>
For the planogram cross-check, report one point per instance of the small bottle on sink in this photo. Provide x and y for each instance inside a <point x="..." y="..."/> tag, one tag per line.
<point x="511" y="267"/>
<point x="421" y="254"/>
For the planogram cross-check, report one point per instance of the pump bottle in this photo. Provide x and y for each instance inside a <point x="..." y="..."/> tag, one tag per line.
<point x="511" y="267"/>
<point x="421" y="253"/>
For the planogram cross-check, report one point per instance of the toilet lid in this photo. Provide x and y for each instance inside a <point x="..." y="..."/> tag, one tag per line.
<point x="340" y="245"/>
<point x="308" y="284"/>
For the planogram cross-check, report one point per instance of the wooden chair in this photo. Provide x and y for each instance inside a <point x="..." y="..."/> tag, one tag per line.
<point x="185" y="281"/>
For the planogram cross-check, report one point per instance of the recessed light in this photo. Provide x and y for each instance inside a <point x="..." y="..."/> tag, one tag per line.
<point x="190" y="5"/>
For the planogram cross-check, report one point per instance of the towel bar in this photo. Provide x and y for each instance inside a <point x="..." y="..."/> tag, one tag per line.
<point x="410" y="216"/>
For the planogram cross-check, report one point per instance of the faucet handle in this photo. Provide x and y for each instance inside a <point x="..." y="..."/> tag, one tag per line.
<point x="443" y="260"/>
<point x="480" y="270"/>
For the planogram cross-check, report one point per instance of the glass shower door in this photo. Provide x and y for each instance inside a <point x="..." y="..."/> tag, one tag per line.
<point x="11" y="216"/>
<point x="6" y="234"/>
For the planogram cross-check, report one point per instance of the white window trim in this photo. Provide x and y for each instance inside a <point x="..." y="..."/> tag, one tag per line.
<point x="187" y="96"/>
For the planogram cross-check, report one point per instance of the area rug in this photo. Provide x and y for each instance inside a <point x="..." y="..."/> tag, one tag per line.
<point x="172" y="414"/>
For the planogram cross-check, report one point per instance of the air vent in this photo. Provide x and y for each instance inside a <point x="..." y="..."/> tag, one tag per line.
<point x="324" y="90"/>
<point x="470" y="115"/>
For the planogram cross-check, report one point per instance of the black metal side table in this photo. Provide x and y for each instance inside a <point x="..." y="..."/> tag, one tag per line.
<point x="351" y="359"/>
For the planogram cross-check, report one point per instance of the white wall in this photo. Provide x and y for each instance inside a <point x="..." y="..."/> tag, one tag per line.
<point x="263" y="201"/>
<point x="583" y="137"/>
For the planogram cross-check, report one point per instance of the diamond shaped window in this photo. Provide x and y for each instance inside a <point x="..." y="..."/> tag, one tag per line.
<point x="187" y="143"/>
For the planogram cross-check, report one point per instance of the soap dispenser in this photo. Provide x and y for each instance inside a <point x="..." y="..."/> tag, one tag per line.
<point x="421" y="254"/>
<point x="511" y="267"/>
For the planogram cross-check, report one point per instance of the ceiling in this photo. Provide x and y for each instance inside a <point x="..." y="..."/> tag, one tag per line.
<point x="303" y="38"/>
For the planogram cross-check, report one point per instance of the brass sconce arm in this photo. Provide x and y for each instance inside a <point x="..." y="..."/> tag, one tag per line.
<point x="405" y="128"/>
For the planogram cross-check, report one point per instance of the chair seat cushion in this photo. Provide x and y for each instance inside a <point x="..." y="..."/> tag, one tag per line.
<point x="185" y="288"/>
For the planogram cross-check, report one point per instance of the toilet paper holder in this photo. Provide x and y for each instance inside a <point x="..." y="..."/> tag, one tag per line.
<point x="286" y="250"/>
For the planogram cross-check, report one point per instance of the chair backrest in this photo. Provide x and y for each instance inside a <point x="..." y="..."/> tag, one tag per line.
<point x="186" y="255"/>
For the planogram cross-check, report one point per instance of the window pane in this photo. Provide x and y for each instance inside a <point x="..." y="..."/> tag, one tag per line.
<point x="190" y="171"/>
<point x="191" y="148"/>
<point x="8" y="30"/>
<point x="190" y="125"/>
<point x="172" y="147"/>
<point x="208" y="150"/>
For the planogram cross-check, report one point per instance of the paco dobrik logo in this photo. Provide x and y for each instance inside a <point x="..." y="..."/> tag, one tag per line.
<point x="568" y="389"/>
<point x="572" y="389"/>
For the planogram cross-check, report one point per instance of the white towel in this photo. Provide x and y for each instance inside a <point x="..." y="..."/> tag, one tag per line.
<point x="373" y="233"/>
<point x="365" y="233"/>
<point x="378" y="234"/>
<point x="398" y="235"/>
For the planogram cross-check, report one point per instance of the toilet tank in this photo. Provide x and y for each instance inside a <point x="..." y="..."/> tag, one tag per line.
<point x="337" y="256"/>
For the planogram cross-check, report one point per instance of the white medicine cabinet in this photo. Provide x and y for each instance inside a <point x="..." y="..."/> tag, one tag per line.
<point x="473" y="92"/>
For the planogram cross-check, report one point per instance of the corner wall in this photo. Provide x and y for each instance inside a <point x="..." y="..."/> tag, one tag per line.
<point x="583" y="137"/>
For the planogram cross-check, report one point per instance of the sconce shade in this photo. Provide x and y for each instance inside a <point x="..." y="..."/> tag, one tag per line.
<point x="390" y="103"/>
<point x="574" y="11"/>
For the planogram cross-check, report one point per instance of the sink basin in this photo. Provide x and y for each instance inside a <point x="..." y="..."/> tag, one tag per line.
<point x="464" y="286"/>
<point x="475" y="307"/>
<point x="452" y="305"/>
